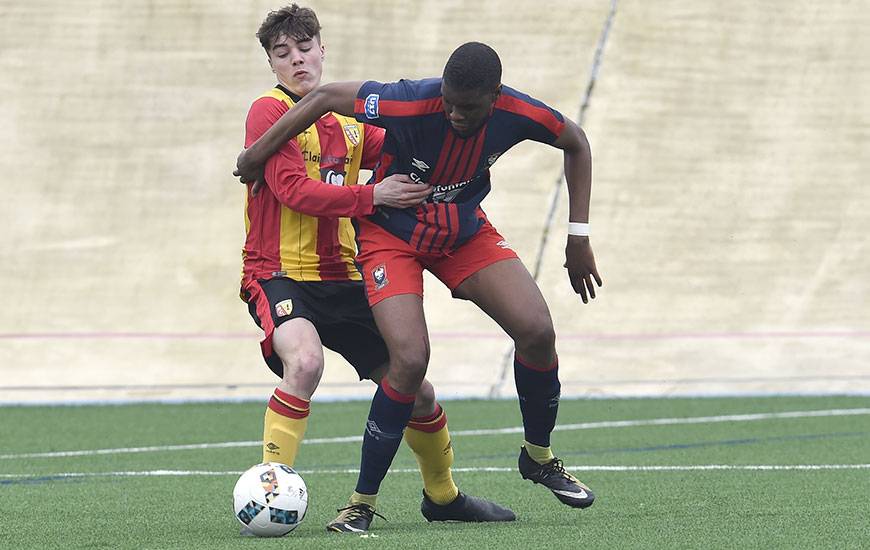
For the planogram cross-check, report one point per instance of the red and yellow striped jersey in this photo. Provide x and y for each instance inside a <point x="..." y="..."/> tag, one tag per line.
<point x="298" y="225"/>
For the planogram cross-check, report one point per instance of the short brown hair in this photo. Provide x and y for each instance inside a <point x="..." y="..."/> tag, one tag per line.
<point x="291" y="21"/>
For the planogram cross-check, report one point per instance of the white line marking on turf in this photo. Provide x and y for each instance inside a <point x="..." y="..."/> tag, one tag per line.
<point x="493" y="431"/>
<point x="493" y="469"/>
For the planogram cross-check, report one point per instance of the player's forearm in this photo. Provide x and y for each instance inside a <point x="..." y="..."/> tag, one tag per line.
<point x="578" y="175"/>
<point x="295" y="190"/>
<point x="336" y="97"/>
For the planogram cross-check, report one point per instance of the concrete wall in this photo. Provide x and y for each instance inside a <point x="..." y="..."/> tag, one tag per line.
<point x="730" y="205"/>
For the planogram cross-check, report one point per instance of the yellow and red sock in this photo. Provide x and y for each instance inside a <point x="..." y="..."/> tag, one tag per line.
<point x="429" y="439"/>
<point x="284" y="427"/>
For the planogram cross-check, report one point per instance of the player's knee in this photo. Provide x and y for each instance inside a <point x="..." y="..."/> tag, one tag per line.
<point x="408" y="362"/>
<point x="304" y="370"/>
<point x="410" y="357"/>
<point x="424" y="403"/>
<point x="408" y="368"/>
<point x="537" y="338"/>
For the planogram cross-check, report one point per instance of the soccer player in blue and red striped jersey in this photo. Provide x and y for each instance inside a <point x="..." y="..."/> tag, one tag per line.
<point x="299" y="277"/>
<point x="447" y="132"/>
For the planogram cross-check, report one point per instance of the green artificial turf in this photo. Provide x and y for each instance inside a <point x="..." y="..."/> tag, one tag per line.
<point x="126" y="500"/>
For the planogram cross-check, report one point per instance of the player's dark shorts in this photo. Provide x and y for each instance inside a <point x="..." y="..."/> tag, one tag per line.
<point x="337" y="309"/>
<point x="390" y="266"/>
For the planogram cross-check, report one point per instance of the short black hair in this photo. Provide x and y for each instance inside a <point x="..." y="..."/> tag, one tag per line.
<point x="291" y="21"/>
<point x="473" y="66"/>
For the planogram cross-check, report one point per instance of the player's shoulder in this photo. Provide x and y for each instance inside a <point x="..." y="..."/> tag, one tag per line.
<point x="522" y="104"/>
<point x="407" y="89"/>
<point x="511" y="98"/>
<point x="276" y="98"/>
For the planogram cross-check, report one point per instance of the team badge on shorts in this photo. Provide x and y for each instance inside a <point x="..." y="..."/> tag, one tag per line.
<point x="352" y="133"/>
<point x="283" y="309"/>
<point x="379" y="275"/>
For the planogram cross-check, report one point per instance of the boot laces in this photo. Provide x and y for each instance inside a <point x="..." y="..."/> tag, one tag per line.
<point x="554" y="468"/>
<point x="353" y="512"/>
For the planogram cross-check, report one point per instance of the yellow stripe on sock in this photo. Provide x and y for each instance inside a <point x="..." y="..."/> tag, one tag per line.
<point x="541" y="455"/>
<point x="359" y="498"/>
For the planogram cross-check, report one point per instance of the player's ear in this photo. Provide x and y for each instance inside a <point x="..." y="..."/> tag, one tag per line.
<point x="496" y="93"/>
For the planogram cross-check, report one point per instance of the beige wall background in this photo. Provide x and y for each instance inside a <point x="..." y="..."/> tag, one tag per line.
<point x="730" y="204"/>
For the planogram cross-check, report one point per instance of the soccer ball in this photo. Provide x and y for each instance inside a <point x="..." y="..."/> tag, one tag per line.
<point x="270" y="500"/>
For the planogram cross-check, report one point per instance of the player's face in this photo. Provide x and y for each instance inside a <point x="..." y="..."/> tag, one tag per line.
<point x="467" y="110"/>
<point x="298" y="63"/>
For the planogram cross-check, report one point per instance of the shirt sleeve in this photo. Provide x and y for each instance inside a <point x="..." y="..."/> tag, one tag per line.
<point x="533" y="119"/>
<point x="367" y="107"/>
<point x="287" y="177"/>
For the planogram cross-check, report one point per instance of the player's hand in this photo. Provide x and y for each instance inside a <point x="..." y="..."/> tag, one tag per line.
<point x="247" y="172"/>
<point x="580" y="263"/>
<point x="400" y="191"/>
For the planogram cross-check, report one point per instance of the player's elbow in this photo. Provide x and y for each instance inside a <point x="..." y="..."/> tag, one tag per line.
<point x="335" y="97"/>
<point x="573" y="139"/>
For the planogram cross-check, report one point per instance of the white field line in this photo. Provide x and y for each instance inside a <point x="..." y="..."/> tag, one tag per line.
<point x="493" y="431"/>
<point x="584" y="468"/>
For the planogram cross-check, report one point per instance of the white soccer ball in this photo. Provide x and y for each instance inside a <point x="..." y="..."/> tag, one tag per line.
<point x="270" y="500"/>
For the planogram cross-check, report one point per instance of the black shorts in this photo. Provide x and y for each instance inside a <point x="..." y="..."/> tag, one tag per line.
<point x="338" y="310"/>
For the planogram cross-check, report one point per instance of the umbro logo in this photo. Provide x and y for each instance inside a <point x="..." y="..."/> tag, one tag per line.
<point x="448" y="447"/>
<point x="375" y="431"/>
<point x="419" y="164"/>
<point x="271" y="447"/>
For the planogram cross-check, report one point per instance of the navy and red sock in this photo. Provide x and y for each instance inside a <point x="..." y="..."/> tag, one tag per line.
<point x="388" y="416"/>
<point x="538" y="389"/>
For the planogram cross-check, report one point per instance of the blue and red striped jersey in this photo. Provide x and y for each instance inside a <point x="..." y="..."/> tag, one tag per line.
<point x="421" y="142"/>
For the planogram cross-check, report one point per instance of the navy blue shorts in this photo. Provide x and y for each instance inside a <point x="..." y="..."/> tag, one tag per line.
<point x="338" y="310"/>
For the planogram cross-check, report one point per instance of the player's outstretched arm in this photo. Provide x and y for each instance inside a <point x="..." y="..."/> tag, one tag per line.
<point x="579" y="259"/>
<point x="337" y="97"/>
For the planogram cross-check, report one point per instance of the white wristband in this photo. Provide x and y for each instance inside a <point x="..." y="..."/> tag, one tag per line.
<point x="578" y="229"/>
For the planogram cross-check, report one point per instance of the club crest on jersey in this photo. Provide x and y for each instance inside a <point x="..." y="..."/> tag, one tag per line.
<point x="490" y="160"/>
<point x="372" y="105"/>
<point x="283" y="309"/>
<point x="379" y="275"/>
<point x="352" y="133"/>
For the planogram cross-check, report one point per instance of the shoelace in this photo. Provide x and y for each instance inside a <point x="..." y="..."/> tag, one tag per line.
<point x="356" y="511"/>
<point x="554" y="467"/>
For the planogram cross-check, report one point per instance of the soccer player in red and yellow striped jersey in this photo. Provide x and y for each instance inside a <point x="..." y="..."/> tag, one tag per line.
<point x="299" y="278"/>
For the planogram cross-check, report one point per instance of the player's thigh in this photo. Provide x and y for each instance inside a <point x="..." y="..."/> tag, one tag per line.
<point x="402" y="323"/>
<point x="276" y="302"/>
<point x="389" y="266"/>
<point x="361" y="345"/>
<point x="349" y="328"/>
<point x="488" y="272"/>
<point x="507" y="293"/>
